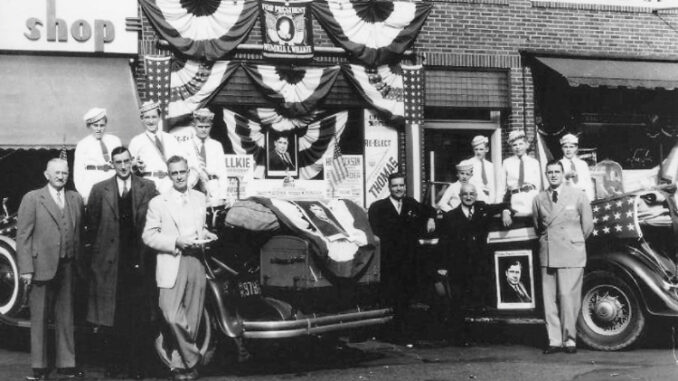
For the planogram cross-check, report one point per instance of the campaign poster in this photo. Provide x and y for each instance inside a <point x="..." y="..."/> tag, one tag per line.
<point x="240" y="171"/>
<point x="351" y="186"/>
<point x="514" y="278"/>
<point x="381" y="156"/>
<point x="286" y="29"/>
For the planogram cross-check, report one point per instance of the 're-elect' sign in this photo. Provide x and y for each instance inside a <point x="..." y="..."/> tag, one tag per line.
<point x="86" y="26"/>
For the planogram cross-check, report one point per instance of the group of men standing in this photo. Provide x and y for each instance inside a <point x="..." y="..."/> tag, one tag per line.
<point x="560" y="213"/>
<point x="136" y="208"/>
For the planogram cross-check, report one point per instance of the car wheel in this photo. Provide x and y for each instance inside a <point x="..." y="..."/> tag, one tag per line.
<point x="611" y="316"/>
<point x="206" y="341"/>
<point x="11" y="294"/>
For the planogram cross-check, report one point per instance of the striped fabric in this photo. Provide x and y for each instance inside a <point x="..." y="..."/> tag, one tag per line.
<point x="382" y="88"/>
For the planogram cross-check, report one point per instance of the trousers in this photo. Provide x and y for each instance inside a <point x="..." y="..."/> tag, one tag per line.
<point x="562" y="303"/>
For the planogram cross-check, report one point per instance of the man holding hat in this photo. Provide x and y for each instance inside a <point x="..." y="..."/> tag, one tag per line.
<point x="577" y="174"/>
<point x="483" y="170"/>
<point x="92" y="162"/>
<point x="521" y="178"/>
<point x="151" y="149"/>
<point x="450" y="198"/>
<point x="206" y="157"/>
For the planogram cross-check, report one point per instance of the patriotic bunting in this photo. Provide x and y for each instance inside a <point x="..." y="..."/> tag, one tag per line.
<point x="616" y="218"/>
<point x="413" y="84"/>
<point x="319" y="138"/>
<point x="295" y="91"/>
<point x="269" y="117"/>
<point x="202" y="29"/>
<point x="382" y="88"/>
<point x="193" y="84"/>
<point x="339" y="170"/>
<point x="374" y="32"/>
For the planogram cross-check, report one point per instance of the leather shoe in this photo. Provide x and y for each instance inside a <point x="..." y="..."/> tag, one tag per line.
<point x="66" y="373"/>
<point x="39" y="374"/>
<point x="551" y="350"/>
<point x="571" y="350"/>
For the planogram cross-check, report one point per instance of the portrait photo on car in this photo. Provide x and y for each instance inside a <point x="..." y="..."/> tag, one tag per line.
<point x="281" y="155"/>
<point x="514" y="279"/>
<point x="322" y="219"/>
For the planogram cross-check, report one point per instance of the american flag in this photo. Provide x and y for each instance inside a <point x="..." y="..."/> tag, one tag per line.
<point x="158" y="80"/>
<point x="413" y="84"/>
<point x="616" y="218"/>
<point x="339" y="171"/>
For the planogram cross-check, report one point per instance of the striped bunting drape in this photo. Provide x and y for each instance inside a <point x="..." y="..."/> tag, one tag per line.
<point x="381" y="87"/>
<point x="374" y="32"/>
<point x="294" y="91"/>
<point x="316" y="140"/>
<point x="202" y="29"/>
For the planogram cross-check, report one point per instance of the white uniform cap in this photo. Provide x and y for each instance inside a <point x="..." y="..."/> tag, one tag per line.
<point x="478" y="140"/>
<point x="465" y="165"/>
<point x="569" y="139"/>
<point x="203" y="114"/>
<point x="94" y="114"/>
<point x="148" y="106"/>
<point x="515" y="135"/>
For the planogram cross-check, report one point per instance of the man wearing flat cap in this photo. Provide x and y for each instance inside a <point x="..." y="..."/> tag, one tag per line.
<point x="206" y="158"/>
<point x="450" y="198"/>
<point x="92" y="162"/>
<point x="483" y="170"/>
<point x="521" y="178"/>
<point x="151" y="149"/>
<point x="577" y="174"/>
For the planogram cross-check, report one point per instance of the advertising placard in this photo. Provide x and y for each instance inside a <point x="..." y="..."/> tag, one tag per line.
<point x="351" y="185"/>
<point x="381" y="156"/>
<point x="295" y="190"/>
<point x="240" y="171"/>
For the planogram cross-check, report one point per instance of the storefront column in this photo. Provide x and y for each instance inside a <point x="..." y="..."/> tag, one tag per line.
<point x="413" y="154"/>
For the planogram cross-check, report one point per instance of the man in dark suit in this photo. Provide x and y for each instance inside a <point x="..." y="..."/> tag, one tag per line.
<point x="464" y="260"/>
<point x="397" y="220"/>
<point x="123" y="296"/>
<point x="563" y="220"/>
<point x="278" y="157"/>
<point x="48" y="249"/>
<point x="513" y="290"/>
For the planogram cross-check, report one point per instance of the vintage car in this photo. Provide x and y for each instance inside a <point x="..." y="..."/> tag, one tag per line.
<point x="268" y="278"/>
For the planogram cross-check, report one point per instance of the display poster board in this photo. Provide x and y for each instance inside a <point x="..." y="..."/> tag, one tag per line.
<point x="514" y="279"/>
<point x="240" y="171"/>
<point x="286" y="29"/>
<point x="381" y="156"/>
<point x="352" y="186"/>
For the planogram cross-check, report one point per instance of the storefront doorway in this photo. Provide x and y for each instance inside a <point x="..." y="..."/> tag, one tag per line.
<point x="446" y="143"/>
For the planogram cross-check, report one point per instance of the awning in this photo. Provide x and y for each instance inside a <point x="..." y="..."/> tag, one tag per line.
<point x="43" y="98"/>
<point x="615" y="73"/>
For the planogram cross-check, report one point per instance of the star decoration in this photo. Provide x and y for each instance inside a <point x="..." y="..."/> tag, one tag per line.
<point x="618" y="228"/>
<point x="606" y="230"/>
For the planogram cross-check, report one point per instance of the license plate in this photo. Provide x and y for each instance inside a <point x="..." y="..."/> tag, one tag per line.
<point x="249" y="288"/>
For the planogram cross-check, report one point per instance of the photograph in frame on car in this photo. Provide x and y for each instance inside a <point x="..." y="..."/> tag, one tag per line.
<point x="514" y="279"/>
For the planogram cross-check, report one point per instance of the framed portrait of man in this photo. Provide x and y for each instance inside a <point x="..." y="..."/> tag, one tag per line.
<point x="514" y="276"/>
<point x="281" y="155"/>
<point x="323" y="220"/>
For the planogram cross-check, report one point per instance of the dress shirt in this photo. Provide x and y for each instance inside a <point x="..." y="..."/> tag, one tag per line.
<point x="467" y="210"/>
<point x="54" y="193"/>
<point x="182" y="202"/>
<point x="450" y="198"/>
<point x="397" y="204"/>
<point x="559" y="190"/>
<point x="583" y="173"/>
<point x="88" y="152"/>
<point x="477" y="180"/>
<point x="143" y="147"/>
<point x="124" y="183"/>
<point x="511" y="168"/>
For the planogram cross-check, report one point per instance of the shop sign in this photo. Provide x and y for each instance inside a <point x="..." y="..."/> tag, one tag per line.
<point x="298" y="190"/>
<point x="88" y="26"/>
<point x="286" y="29"/>
<point x="656" y="4"/>
<point x="242" y="168"/>
<point x="381" y="156"/>
<point x="351" y="187"/>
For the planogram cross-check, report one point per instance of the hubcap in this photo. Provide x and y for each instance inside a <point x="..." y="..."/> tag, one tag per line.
<point x="606" y="309"/>
<point x="9" y="282"/>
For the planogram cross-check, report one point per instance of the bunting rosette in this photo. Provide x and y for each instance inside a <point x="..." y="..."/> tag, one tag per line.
<point x="374" y="32"/>
<point x="382" y="88"/>
<point x="316" y="139"/>
<point x="202" y="29"/>
<point x="193" y="84"/>
<point x="295" y="91"/>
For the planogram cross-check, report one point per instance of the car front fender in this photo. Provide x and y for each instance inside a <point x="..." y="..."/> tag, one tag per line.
<point x="657" y="295"/>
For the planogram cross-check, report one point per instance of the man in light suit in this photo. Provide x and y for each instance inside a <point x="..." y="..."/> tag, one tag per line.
<point x="175" y="226"/>
<point x="48" y="247"/>
<point x="563" y="220"/>
<point x="122" y="293"/>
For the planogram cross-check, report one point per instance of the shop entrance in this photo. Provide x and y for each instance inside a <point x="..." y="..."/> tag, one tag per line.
<point x="446" y="143"/>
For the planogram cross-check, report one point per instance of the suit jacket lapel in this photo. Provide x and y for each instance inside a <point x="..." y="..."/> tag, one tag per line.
<point x="136" y="189"/>
<point x="558" y="207"/>
<point x="111" y="195"/>
<point x="49" y="204"/>
<point x="72" y="207"/>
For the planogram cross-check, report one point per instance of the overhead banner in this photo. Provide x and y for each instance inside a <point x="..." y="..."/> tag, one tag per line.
<point x="286" y="30"/>
<point x="381" y="156"/>
<point x="351" y="186"/>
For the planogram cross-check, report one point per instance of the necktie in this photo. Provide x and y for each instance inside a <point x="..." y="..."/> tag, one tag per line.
<point x="575" y="178"/>
<point x="521" y="172"/>
<point x="158" y="144"/>
<point x="104" y="151"/>
<point x="400" y="206"/>
<point x="554" y="196"/>
<point x="203" y="156"/>
<point x="125" y="190"/>
<point x="288" y="160"/>
<point x="60" y="200"/>
<point x="470" y="214"/>
<point x="483" y="172"/>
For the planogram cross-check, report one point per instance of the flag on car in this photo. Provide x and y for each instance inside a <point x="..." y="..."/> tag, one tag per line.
<point x="616" y="218"/>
